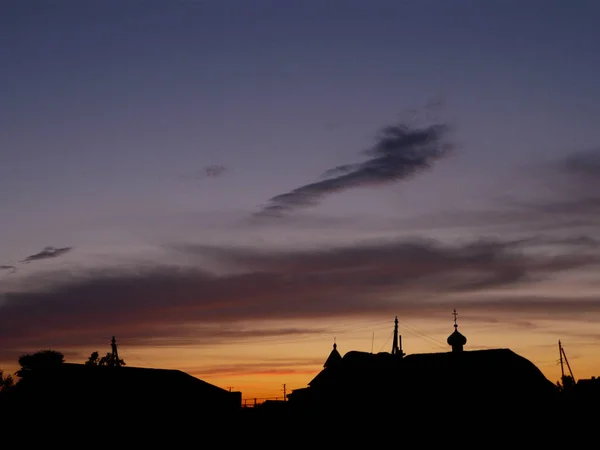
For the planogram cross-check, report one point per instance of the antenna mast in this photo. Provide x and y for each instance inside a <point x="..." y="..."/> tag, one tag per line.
<point x="395" y="341"/>
<point x="114" y="354"/>
<point x="397" y="344"/>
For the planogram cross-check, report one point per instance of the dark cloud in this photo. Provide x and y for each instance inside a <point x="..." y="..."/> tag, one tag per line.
<point x="214" y="170"/>
<point x="11" y="269"/>
<point x="47" y="253"/>
<point x="166" y="303"/>
<point x="400" y="152"/>
<point x="169" y="336"/>
<point x="210" y="171"/>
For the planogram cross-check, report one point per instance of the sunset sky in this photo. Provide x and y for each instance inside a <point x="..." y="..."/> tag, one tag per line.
<point x="228" y="185"/>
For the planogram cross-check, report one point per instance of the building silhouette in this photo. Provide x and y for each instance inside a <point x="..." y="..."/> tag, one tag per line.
<point x="477" y="380"/>
<point x="74" y="391"/>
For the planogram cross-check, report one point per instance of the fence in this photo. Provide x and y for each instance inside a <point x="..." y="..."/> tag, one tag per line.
<point x="254" y="402"/>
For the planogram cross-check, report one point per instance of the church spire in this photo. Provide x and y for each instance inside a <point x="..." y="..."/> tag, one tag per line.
<point x="334" y="356"/>
<point x="456" y="340"/>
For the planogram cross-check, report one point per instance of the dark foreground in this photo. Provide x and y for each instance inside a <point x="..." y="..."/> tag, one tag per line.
<point x="452" y="425"/>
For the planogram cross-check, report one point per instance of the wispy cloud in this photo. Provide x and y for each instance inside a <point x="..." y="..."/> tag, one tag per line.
<point x="400" y="152"/>
<point x="187" y="304"/>
<point x="586" y="163"/>
<point x="304" y="366"/>
<point x="47" y="253"/>
<point x="11" y="269"/>
<point x="214" y="170"/>
<point x="574" y="183"/>
<point x="210" y="171"/>
<point x="571" y="202"/>
<point x="214" y="334"/>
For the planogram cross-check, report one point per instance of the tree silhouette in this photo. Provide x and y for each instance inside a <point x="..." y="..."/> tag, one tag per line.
<point x="567" y="384"/>
<point x="106" y="361"/>
<point x="111" y="361"/>
<point x="43" y="359"/>
<point x="93" y="360"/>
<point x="5" y="382"/>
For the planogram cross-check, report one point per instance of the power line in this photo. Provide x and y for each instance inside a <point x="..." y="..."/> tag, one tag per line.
<point x="342" y="329"/>
<point x="438" y="343"/>
<point x="387" y="340"/>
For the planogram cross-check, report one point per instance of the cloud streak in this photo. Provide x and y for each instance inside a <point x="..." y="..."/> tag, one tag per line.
<point x="210" y="171"/>
<point x="11" y="269"/>
<point x="277" y="368"/>
<point x="47" y="253"/>
<point x="400" y="152"/>
<point x="214" y="170"/>
<point x="162" y="304"/>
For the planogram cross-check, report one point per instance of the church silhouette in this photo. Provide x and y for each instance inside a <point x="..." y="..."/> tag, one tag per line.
<point x="476" y="382"/>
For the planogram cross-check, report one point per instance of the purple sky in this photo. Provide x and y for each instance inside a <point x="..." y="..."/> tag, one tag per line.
<point x="143" y="140"/>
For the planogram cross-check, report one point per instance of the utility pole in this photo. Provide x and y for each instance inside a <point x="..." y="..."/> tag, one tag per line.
<point x="563" y="357"/>
<point x="562" y="367"/>
<point x="284" y="393"/>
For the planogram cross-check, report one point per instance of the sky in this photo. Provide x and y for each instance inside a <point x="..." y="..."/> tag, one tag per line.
<point x="229" y="186"/>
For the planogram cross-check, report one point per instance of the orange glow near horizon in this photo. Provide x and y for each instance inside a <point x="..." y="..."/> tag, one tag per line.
<point x="259" y="368"/>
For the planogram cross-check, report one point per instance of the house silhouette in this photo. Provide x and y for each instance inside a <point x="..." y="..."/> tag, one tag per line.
<point x="153" y="395"/>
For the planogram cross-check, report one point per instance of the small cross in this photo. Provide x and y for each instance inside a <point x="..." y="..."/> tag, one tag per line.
<point x="455" y="314"/>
